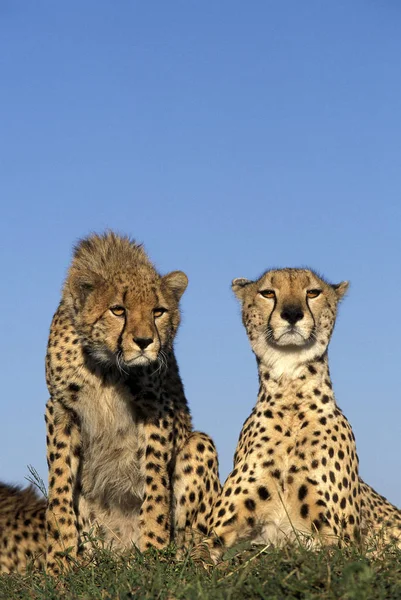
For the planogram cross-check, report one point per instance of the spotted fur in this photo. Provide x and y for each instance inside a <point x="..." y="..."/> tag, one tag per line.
<point x="22" y="528"/>
<point x="296" y="466"/>
<point x="124" y="461"/>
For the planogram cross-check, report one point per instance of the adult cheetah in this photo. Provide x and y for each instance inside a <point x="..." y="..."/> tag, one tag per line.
<point x="123" y="458"/>
<point x="295" y="467"/>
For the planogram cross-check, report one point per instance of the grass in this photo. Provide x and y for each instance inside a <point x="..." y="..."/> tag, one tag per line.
<point x="270" y="574"/>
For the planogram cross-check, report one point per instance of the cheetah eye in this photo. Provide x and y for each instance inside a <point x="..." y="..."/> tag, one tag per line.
<point x="267" y="293"/>
<point x="119" y="311"/>
<point x="158" y="312"/>
<point x="313" y="293"/>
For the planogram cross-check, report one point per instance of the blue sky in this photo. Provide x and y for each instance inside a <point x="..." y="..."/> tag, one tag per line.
<point x="229" y="137"/>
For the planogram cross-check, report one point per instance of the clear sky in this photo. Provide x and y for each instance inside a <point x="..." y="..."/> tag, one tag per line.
<point x="229" y="137"/>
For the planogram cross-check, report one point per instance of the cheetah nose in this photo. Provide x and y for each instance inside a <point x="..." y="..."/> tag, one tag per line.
<point x="143" y="342"/>
<point x="292" y="314"/>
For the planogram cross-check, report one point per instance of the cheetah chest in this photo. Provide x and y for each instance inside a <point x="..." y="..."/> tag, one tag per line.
<point x="113" y="443"/>
<point x="282" y="460"/>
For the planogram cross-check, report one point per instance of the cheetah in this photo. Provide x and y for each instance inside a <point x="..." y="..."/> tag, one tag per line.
<point x="22" y="528"/>
<point x="124" y="461"/>
<point x="295" y="467"/>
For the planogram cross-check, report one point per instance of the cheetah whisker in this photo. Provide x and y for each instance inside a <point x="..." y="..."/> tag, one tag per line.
<point x="162" y="363"/>
<point x="119" y="365"/>
<point x="163" y="357"/>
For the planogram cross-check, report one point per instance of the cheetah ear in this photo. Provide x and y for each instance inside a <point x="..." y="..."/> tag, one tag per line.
<point x="82" y="283"/>
<point x="239" y="285"/>
<point x="340" y="289"/>
<point x="176" y="282"/>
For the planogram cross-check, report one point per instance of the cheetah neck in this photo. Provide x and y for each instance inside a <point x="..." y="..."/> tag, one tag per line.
<point x="290" y="362"/>
<point x="157" y="378"/>
<point x="313" y="379"/>
<point x="155" y="375"/>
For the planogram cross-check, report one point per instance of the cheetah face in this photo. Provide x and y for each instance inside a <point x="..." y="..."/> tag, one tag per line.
<point x="289" y="313"/>
<point x="130" y="320"/>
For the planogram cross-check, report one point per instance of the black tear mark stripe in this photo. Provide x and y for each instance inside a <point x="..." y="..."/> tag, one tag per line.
<point x="311" y="314"/>
<point x="269" y="328"/>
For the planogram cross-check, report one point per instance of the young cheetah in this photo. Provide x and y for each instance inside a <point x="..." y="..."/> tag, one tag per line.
<point x="123" y="459"/>
<point x="296" y="466"/>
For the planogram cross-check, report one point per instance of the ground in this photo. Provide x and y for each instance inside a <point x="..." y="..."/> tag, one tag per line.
<point x="274" y="574"/>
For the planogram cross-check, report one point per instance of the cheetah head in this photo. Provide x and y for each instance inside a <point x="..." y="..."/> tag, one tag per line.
<point x="126" y="314"/>
<point x="289" y="315"/>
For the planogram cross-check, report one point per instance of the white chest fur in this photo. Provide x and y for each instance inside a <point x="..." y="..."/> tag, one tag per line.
<point x="113" y="444"/>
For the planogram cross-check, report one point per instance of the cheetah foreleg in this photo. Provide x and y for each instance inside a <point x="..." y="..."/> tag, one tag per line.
<point x="196" y="486"/>
<point x="63" y="444"/>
